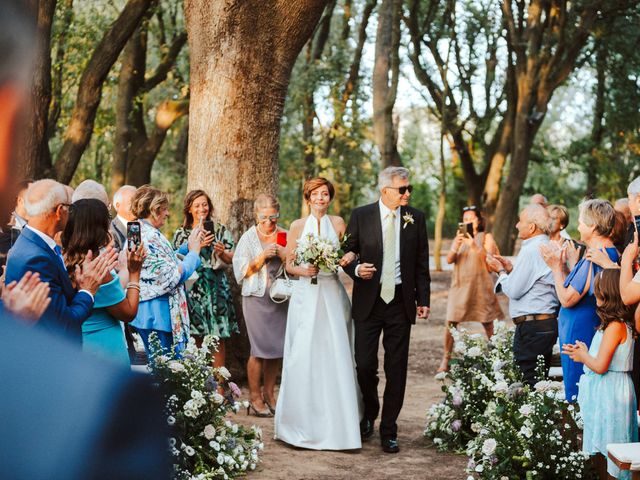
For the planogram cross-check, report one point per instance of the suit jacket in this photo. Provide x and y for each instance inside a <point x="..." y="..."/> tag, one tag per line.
<point x="365" y="239"/>
<point x="68" y="308"/>
<point x="119" y="233"/>
<point x="67" y="415"/>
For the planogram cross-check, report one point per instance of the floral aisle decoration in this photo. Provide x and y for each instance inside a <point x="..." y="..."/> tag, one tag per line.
<point x="507" y="430"/>
<point x="204" y="444"/>
<point x="478" y="369"/>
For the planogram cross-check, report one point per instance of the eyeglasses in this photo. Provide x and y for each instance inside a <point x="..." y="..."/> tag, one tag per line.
<point x="404" y="189"/>
<point x="472" y="208"/>
<point x="271" y="218"/>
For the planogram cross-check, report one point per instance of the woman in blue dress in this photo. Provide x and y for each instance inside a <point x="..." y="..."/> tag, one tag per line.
<point x="578" y="320"/>
<point x="88" y="231"/>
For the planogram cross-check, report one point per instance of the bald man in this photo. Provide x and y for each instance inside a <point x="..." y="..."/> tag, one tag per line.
<point x="533" y="302"/>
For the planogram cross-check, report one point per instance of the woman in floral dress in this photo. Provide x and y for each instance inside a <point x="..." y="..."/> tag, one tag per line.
<point x="210" y="302"/>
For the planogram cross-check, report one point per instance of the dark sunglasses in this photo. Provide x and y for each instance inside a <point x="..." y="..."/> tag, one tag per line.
<point x="404" y="189"/>
<point x="271" y="218"/>
<point x="473" y="208"/>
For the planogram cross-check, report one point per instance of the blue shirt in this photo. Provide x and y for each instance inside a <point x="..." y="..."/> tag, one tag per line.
<point x="530" y="286"/>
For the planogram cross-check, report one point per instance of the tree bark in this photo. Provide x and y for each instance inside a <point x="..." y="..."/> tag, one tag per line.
<point x="598" y="130"/>
<point x="242" y="53"/>
<point x="80" y="129"/>
<point x="386" y="71"/>
<point x="34" y="157"/>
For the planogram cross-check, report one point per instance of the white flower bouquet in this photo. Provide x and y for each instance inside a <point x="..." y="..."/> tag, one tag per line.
<point x="319" y="252"/>
<point x="203" y="443"/>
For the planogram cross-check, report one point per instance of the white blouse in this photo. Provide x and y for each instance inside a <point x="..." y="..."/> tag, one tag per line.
<point x="248" y="248"/>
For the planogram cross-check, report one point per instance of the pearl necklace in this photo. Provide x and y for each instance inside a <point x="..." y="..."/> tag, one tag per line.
<point x="266" y="235"/>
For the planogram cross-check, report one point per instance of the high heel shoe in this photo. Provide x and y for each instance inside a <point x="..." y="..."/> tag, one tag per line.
<point x="257" y="413"/>
<point x="271" y="409"/>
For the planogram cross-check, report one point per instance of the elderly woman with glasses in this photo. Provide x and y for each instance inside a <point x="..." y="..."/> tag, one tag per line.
<point x="471" y="297"/>
<point x="257" y="261"/>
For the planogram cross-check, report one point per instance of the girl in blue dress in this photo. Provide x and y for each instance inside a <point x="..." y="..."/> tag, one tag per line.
<point x="607" y="399"/>
<point x="577" y="319"/>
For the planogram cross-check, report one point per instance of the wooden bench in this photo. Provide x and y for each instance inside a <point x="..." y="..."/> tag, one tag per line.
<point x="626" y="456"/>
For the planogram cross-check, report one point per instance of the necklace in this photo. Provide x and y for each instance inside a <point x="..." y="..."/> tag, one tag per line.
<point x="266" y="235"/>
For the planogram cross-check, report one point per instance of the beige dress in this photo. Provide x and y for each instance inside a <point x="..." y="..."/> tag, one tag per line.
<point x="471" y="296"/>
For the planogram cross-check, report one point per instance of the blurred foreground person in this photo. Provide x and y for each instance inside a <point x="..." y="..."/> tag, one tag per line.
<point x="65" y="415"/>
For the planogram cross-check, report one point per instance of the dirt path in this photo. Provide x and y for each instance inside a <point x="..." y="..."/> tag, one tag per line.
<point x="416" y="459"/>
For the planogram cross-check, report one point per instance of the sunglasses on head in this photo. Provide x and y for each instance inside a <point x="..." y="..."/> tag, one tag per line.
<point x="473" y="208"/>
<point x="271" y="218"/>
<point x="404" y="189"/>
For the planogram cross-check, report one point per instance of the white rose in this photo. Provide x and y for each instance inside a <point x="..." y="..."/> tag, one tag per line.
<point x="526" y="410"/>
<point x="189" y="451"/>
<point x="220" y="459"/>
<point x="176" y="366"/>
<point x="217" y="398"/>
<point x="460" y="347"/>
<point x="474" y="352"/>
<point x="489" y="446"/>
<point x="209" y="432"/>
<point x="526" y="432"/>
<point x="500" y="387"/>
<point x="479" y="468"/>
<point x="440" y="375"/>
<point x="171" y="420"/>
<point x="214" y="445"/>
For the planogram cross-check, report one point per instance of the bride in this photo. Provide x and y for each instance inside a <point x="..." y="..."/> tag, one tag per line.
<point x="319" y="402"/>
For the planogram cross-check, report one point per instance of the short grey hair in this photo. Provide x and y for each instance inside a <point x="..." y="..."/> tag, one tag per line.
<point x="634" y="187"/>
<point x="43" y="196"/>
<point x="90" y="189"/>
<point x="538" y="216"/>
<point x="386" y="176"/>
<point x="599" y="214"/>
<point x="264" y="200"/>
<point x="117" y="197"/>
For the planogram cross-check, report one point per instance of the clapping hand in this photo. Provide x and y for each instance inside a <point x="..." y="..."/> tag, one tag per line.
<point x="194" y="242"/>
<point x="553" y="255"/>
<point x="135" y="259"/>
<point x="572" y="253"/>
<point x="631" y="251"/>
<point x="577" y="352"/>
<point x="94" y="271"/>
<point x="28" y="298"/>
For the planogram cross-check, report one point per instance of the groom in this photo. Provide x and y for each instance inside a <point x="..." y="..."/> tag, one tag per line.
<point x="391" y="278"/>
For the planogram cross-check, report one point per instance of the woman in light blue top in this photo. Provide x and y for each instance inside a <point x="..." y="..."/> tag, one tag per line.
<point x="88" y="230"/>
<point x="163" y="300"/>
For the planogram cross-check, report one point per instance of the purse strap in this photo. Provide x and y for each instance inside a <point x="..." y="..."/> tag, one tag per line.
<point x="282" y="271"/>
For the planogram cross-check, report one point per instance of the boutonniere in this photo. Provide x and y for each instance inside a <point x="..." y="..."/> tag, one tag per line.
<point x="408" y="219"/>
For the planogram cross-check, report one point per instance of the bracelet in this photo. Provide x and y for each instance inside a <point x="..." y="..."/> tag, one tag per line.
<point x="134" y="285"/>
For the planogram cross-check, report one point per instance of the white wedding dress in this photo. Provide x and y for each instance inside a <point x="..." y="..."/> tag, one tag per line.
<point x="319" y="401"/>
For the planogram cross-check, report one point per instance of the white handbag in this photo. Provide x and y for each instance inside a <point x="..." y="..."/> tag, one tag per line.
<point x="282" y="287"/>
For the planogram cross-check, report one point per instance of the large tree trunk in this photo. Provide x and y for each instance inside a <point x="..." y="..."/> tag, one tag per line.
<point x="242" y="53"/>
<point x="597" y="130"/>
<point x="386" y="71"/>
<point x="34" y="156"/>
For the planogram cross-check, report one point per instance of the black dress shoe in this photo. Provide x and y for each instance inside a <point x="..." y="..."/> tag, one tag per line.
<point x="390" y="445"/>
<point x="366" y="429"/>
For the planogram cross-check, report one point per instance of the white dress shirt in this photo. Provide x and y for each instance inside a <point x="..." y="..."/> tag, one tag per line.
<point x="52" y="245"/>
<point x="385" y="218"/>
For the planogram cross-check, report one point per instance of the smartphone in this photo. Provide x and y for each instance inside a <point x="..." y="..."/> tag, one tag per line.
<point x="208" y="225"/>
<point x="281" y="239"/>
<point x="636" y="219"/>
<point x="220" y="233"/>
<point x="134" y="239"/>
<point x="465" y="228"/>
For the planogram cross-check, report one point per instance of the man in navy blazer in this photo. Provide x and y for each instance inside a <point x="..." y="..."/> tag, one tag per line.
<point x="47" y="205"/>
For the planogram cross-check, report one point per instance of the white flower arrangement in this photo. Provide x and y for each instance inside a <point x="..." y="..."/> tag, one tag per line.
<point x="204" y="444"/>
<point x="408" y="219"/>
<point x="506" y="429"/>
<point x="319" y="252"/>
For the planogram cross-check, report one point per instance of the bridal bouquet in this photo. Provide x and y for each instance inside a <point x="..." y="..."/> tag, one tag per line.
<point x="319" y="252"/>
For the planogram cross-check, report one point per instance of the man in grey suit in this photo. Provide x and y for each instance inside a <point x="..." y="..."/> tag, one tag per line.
<point x="122" y="205"/>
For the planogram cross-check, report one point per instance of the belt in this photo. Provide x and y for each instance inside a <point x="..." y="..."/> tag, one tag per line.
<point x="539" y="316"/>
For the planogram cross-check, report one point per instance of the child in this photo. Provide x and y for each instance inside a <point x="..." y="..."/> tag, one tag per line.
<point x="606" y="395"/>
